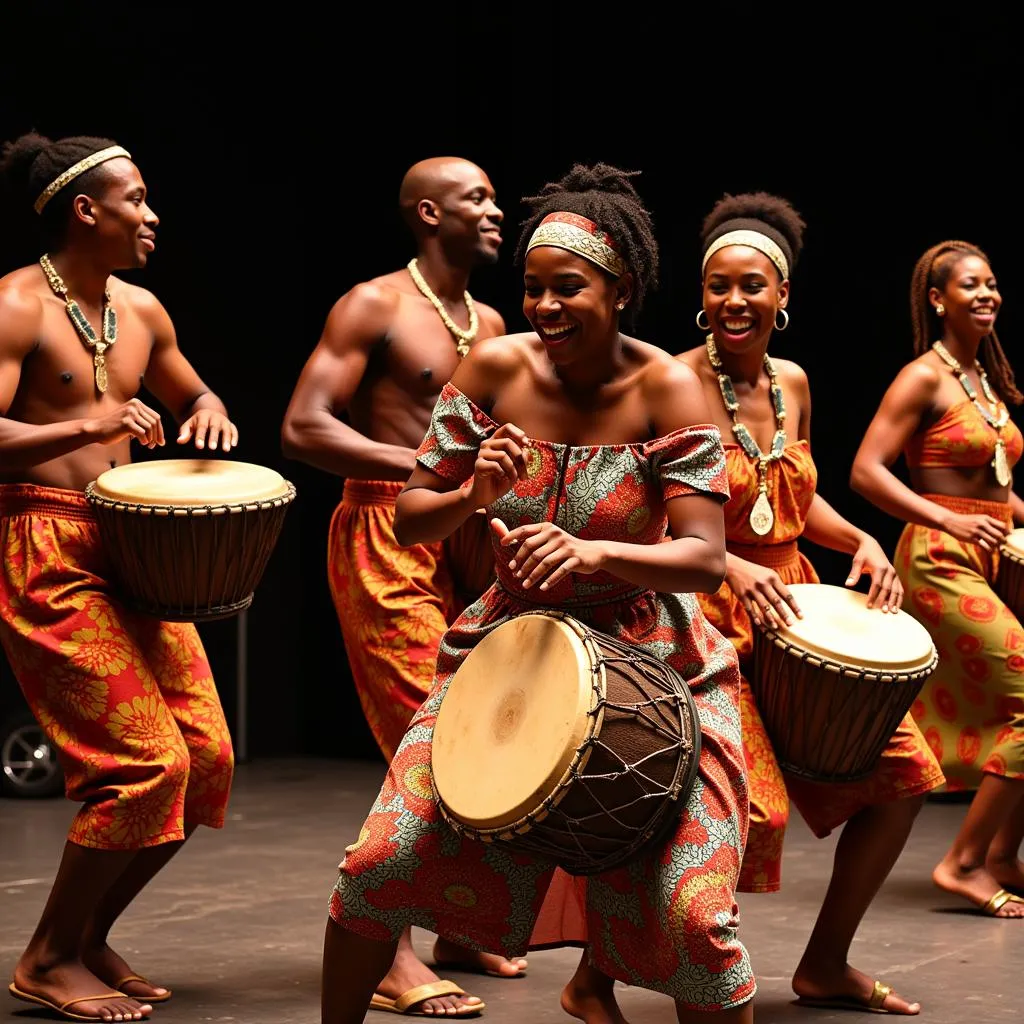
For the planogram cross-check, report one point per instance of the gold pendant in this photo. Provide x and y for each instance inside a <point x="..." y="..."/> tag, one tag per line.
<point x="100" y="363"/>
<point x="1001" y="466"/>
<point x="762" y="518"/>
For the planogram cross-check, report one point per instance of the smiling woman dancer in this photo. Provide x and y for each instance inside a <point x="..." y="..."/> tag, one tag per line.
<point x="948" y="417"/>
<point x="618" y="417"/>
<point x="750" y="244"/>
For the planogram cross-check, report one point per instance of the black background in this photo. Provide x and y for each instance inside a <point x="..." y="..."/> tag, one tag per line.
<point x="273" y="141"/>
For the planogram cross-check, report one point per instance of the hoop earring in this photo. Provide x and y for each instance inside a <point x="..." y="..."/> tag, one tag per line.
<point x="940" y="310"/>
<point x="785" y="320"/>
<point x="703" y="327"/>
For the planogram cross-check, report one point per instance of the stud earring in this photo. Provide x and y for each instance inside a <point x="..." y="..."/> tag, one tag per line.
<point x="940" y="309"/>
<point x="620" y="306"/>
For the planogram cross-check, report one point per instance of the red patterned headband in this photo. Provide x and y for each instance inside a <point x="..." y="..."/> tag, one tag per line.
<point x="581" y="236"/>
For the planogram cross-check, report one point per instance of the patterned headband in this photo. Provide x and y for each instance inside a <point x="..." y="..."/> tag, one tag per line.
<point x="762" y="243"/>
<point x="581" y="236"/>
<point x="62" y="179"/>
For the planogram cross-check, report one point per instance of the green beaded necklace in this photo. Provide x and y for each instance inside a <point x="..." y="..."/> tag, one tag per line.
<point x="762" y="518"/>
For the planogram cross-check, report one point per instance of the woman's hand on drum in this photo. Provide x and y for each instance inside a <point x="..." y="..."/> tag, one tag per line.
<point x="761" y="592"/>
<point x="206" y="428"/>
<point x="886" y="588"/>
<point x="546" y="554"/>
<point x="500" y="462"/>
<point x="133" y="419"/>
<point x="985" y="531"/>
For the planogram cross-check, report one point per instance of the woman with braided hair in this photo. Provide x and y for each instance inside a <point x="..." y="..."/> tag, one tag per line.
<point x="763" y="405"/>
<point x="624" y="429"/>
<point x="946" y="413"/>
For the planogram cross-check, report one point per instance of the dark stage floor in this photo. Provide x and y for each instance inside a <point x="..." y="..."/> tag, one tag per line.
<point x="235" y="924"/>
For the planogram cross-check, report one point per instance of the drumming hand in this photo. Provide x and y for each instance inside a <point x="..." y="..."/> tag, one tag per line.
<point x="207" y="427"/>
<point x="133" y="419"/>
<point x="546" y="552"/>
<point x="761" y="592"/>
<point x="985" y="531"/>
<point x="886" y="588"/>
<point x="500" y="462"/>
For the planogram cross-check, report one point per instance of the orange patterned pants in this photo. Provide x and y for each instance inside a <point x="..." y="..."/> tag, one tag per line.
<point x="971" y="709"/>
<point x="394" y="605"/>
<point x="128" y="701"/>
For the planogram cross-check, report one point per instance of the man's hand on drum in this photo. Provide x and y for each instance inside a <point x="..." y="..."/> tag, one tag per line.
<point x="761" y="592"/>
<point x="133" y="419"/>
<point x="546" y="554"/>
<point x="885" y="591"/>
<point x="206" y="427"/>
<point x="985" y="531"/>
<point x="500" y="462"/>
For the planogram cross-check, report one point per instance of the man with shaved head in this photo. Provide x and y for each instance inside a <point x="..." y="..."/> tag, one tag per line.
<point x="388" y="347"/>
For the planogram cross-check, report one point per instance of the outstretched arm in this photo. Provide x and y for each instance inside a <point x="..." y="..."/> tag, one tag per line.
<point x="172" y="379"/>
<point x="312" y="431"/>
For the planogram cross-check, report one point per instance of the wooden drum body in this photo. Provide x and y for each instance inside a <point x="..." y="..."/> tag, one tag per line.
<point x="1010" y="581"/>
<point x="833" y="687"/>
<point x="564" y="742"/>
<point x="189" y="539"/>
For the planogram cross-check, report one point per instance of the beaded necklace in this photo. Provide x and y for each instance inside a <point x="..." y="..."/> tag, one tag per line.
<point x="999" y="460"/>
<point x="81" y="322"/>
<point x="762" y="518"/>
<point x="463" y="338"/>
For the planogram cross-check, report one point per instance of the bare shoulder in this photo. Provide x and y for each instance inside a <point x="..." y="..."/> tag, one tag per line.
<point x="490" y="319"/>
<point x="375" y="299"/>
<point x="665" y="376"/>
<point x="142" y="300"/>
<point x="693" y="357"/>
<point x="919" y="381"/>
<point x="21" y="308"/>
<point x="792" y="374"/>
<point x="503" y="355"/>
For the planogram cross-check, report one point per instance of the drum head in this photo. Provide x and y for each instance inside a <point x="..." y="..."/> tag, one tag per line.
<point x="513" y="717"/>
<point x="1013" y="546"/>
<point x="838" y="626"/>
<point x="190" y="482"/>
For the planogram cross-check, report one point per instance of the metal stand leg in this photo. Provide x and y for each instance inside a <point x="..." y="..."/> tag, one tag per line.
<point x="242" y="687"/>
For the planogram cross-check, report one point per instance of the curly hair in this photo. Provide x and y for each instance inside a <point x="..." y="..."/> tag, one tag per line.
<point x="605" y="195"/>
<point x="31" y="162"/>
<point x="757" y="211"/>
<point x="933" y="270"/>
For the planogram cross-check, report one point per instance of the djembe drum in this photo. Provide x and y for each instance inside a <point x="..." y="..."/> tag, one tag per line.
<point x="189" y="539"/>
<point x="1010" y="579"/>
<point x="833" y="687"/>
<point x="565" y="743"/>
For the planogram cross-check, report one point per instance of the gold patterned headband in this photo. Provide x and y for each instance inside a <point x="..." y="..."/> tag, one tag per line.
<point x="62" y="179"/>
<point x="581" y="236"/>
<point x="762" y="243"/>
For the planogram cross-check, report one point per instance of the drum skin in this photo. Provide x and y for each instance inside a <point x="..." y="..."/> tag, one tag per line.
<point x="189" y="539"/>
<point x="833" y="687"/>
<point x="564" y="742"/>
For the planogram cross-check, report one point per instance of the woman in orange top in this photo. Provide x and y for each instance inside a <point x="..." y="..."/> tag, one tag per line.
<point x="949" y="418"/>
<point x="750" y="244"/>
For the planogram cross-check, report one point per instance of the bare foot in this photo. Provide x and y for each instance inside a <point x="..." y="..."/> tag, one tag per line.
<point x="1009" y="874"/>
<point x="974" y="884"/>
<point x="589" y="1002"/>
<point x="450" y="955"/>
<point x="113" y="969"/>
<point x="814" y="981"/>
<point x="407" y="972"/>
<point x="60" y="983"/>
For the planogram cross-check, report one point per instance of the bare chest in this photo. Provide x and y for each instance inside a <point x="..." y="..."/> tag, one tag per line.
<point x="418" y="355"/>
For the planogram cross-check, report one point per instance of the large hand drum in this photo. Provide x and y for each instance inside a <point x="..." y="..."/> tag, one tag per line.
<point x="188" y="539"/>
<point x="564" y="742"/>
<point x="1010" y="581"/>
<point x="833" y="687"/>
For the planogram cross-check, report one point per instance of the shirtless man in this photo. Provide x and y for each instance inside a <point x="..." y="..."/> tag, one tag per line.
<point x="388" y="347"/>
<point x="128" y="701"/>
